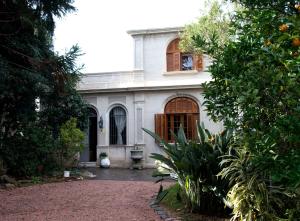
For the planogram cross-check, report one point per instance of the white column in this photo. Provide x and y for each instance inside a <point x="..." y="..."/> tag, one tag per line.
<point x="139" y="118"/>
<point x="138" y="52"/>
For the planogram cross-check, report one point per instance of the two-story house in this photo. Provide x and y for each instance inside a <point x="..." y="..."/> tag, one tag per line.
<point x="161" y="92"/>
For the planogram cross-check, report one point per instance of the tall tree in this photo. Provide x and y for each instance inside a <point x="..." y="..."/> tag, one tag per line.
<point x="255" y="89"/>
<point x="31" y="70"/>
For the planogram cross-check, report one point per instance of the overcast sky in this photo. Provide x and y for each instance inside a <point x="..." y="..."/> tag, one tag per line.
<point x="99" y="28"/>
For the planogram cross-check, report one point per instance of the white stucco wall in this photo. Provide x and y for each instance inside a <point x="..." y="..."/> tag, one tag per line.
<point x="150" y="55"/>
<point x="149" y="103"/>
<point x="143" y="93"/>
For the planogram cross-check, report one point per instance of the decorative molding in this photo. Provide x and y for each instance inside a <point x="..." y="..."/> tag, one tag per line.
<point x="131" y="89"/>
<point x="155" y="31"/>
<point x="139" y="124"/>
<point x="191" y="72"/>
<point x="117" y="99"/>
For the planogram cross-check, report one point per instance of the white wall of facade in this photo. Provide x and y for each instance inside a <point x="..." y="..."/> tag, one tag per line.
<point x="143" y="93"/>
<point x="141" y="108"/>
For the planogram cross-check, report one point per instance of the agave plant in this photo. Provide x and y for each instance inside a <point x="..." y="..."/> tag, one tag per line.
<point x="196" y="164"/>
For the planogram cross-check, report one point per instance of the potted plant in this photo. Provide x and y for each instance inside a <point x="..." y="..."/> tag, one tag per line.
<point x="104" y="160"/>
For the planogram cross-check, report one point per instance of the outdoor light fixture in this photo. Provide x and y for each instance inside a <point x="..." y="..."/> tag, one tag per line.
<point x="100" y="123"/>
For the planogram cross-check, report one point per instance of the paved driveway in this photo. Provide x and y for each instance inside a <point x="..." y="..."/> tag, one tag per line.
<point x="80" y="200"/>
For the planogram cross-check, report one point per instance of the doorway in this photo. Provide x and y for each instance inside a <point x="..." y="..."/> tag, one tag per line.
<point x="89" y="153"/>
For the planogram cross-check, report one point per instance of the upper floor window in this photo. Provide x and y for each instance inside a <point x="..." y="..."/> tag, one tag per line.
<point x="117" y="126"/>
<point x="178" y="61"/>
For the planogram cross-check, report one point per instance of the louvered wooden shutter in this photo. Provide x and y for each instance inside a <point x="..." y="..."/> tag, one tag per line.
<point x="160" y="125"/>
<point x="198" y="62"/>
<point x="173" y="56"/>
<point x="191" y="126"/>
<point x="177" y="62"/>
<point x="170" y="62"/>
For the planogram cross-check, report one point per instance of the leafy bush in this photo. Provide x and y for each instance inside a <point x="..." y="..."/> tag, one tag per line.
<point x="257" y="193"/>
<point x="102" y="155"/>
<point x="196" y="164"/>
<point x="255" y="90"/>
<point x="71" y="143"/>
<point x="30" y="152"/>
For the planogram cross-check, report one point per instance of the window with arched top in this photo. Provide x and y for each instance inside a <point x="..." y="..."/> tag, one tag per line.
<point x="117" y="126"/>
<point x="178" y="111"/>
<point x="178" y="61"/>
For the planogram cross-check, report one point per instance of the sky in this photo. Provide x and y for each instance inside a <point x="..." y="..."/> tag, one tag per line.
<point x="100" y="28"/>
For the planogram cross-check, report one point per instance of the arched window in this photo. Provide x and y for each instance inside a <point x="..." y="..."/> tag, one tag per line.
<point x="117" y="126"/>
<point x="178" y="61"/>
<point x="178" y="111"/>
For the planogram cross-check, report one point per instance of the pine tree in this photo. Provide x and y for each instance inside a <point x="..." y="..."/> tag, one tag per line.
<point x="31" y="70"/>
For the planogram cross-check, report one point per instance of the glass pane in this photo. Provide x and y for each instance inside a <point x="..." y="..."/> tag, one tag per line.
<point x="186" y="62"/>
<point x="117" y="121"/>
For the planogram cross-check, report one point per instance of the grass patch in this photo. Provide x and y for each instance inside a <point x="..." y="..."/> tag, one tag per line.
<point x="174" y="202"/>
<point x="173" y="199"/>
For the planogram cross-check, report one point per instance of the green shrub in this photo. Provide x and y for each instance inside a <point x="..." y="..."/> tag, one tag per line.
<point x="102" y="155"/>
<point x="196" y="164"/>
<point x="71" y="143"/>
<point x="256" y="190"/>
<point x="30" y="152"/>
<point x="174" y="198"/>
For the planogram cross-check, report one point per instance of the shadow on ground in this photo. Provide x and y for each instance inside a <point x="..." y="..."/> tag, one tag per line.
<point x="122" y="174"/>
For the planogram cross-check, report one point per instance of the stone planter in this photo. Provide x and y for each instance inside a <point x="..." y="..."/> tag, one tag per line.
<point x="137" y="157"/>
<point x="136" y="154"/>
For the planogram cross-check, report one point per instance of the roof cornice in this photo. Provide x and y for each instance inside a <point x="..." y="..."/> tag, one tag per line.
<point x="131" y="89"/>
<point x="155" y="31"/>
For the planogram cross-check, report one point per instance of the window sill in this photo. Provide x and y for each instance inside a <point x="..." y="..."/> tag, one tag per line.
<point x="119" y="145"/>
<point x="170" y="73"/>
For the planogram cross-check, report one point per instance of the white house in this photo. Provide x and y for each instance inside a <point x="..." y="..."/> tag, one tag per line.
<point x="161" y="92"/>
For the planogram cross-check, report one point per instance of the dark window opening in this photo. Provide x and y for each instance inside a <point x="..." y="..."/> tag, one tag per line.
<point x="117" y="126"/>
<point x="186" y="62"/>
<point x="173" y="124"/>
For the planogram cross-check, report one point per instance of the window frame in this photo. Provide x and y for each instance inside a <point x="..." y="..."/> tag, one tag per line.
<point x="124" y="137"/>
<point x="174" y="58"/>
<point x="182" y="107"/>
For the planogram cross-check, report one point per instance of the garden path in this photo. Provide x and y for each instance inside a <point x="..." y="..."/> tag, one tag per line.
<point x="107" y="200"/>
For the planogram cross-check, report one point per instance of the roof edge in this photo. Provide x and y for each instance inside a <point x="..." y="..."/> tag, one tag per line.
<point x="155" y="31"/>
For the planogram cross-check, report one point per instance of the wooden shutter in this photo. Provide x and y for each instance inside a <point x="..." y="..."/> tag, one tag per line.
<point x="191" y="126"/>
<point x="198" y="62"/>
<point x="173" y="56"/>
<point x="160" y="125"/>
<point x="177" y="63"/>
<point x="181" y="105"/>
<point x="170" y="62"/>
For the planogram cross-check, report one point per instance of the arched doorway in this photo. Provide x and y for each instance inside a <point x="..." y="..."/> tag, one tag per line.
<point x="182" y="111"/>
<point x="90" y="152"/>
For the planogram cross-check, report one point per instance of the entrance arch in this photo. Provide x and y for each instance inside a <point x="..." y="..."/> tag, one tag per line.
<point x="90" y="151"/>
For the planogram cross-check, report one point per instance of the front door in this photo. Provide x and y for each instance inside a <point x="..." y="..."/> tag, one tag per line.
<point x="89" y="153"/>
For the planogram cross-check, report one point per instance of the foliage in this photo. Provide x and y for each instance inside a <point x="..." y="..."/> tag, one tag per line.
<point x="255" y="90"/>
<point x="214" y="29"/>
<point x="196" y="164"/>
<point x="175" y="197"/>
<point x="162" y="193"/>
<point x="103" y="155"/>
<point x="30" y="70"/>
<point x="2" y="167"/>
<point x="71" y="142"/>
<point x="31" y="152"/>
